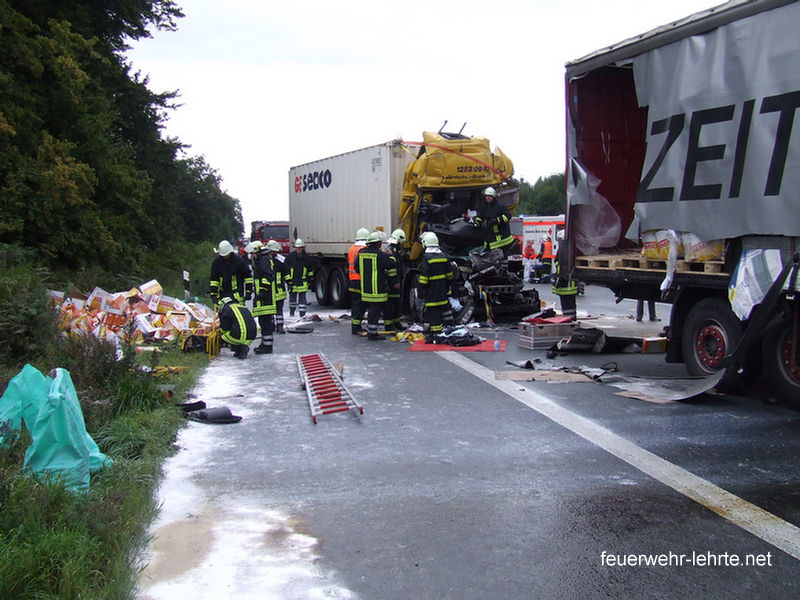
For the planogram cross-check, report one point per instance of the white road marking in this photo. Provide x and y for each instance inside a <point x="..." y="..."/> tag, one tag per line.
<point x="773" y="530"/>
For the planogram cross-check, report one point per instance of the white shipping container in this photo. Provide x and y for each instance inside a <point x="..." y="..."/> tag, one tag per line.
<point x="331" y="198"/>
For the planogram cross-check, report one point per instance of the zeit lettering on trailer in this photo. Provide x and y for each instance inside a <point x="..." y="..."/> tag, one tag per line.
<point x="673" y="126"/>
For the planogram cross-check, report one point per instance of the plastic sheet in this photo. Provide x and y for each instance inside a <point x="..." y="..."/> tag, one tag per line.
<point x="49" y="408"/>
<point x="597" y="225"/>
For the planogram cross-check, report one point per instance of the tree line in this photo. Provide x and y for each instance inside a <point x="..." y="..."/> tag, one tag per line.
<point x="545" y="197"/>
<point x="87" y="177"/>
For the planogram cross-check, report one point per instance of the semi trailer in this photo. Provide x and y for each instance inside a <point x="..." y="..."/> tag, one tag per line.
<point x="683" y="185"/>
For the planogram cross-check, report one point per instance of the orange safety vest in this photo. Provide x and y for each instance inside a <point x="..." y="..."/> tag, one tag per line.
<point x="351" y="259"/>
<point x="547" y="253"/>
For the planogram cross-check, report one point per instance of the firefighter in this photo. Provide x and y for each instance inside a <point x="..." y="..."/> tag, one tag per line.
<point x="281" y="273"/>
<point x="434" y="285"/>
<point x="300" y="275"/>
<point x="264" y="307"/>
<point x="391" y="313"/>
<point x="494" y="216"/>
<point x="237" y="326"/>
<point x="563" y="285"/>
<point x="546" y="254"/>
<point x="230" y="275"/>
<point x="354" y="287"/>
<point x="378" y="275"/>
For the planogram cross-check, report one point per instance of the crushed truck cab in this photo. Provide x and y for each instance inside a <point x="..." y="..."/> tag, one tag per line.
<point x="432" y="185"/>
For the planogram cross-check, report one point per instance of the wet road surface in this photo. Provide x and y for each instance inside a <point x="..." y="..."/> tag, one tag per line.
<point x="456" y="484"/>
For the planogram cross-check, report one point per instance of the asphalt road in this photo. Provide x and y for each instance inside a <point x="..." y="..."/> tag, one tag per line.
<point x="458" y="483"/>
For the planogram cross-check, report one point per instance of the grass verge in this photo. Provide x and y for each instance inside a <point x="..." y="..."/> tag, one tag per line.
<point x="55" y="543"/>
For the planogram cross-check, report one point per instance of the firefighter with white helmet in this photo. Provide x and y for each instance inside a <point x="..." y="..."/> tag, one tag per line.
<point x="281" y="274"/>
<point x="494" y="216"/>
<point x="391" y="318"/>
<point x="264" y="305"/>
<point x="301" y="273"/>
<point x="378" y="275"/>
<point x="434" y="285"/>
<point x="230" y="275"/>
<point x="354" y="281"/>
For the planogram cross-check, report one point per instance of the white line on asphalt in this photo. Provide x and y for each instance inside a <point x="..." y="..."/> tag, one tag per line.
<point x="773" y="530"/>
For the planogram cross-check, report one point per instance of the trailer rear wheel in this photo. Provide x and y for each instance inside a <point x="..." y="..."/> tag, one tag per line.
<point x="321" y="288"/>
<point x="782" y="362"/>
<point x="711" y="331"/>
<point x="337" y="283"/>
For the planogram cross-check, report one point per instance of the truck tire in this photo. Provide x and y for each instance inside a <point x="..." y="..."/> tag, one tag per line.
<point x="711" y="331"/>
<point x="337" y="285"/>
<point x="321" y="287"/>
<point x="782" y="377"/>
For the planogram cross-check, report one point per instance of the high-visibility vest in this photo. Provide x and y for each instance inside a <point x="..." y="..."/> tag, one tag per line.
<point x="351" y="260"/>
<point x="547" y="250"/>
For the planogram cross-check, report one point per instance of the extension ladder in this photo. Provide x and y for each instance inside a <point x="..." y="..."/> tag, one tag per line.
<point x="324" y="388"/>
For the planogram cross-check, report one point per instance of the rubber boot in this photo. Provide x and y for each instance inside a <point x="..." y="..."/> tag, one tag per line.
<point x="263" y="349"/>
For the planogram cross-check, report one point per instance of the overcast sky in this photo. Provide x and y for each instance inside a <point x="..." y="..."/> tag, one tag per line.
<point x="266" y="86"/>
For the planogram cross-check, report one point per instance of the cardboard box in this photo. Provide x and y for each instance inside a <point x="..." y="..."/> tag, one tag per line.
<point x="150" y="288"/>
<point x="654" y="345"/>
<point x="540" y="336"/>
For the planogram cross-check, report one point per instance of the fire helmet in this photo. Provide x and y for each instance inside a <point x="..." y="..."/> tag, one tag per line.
<point x="224" y="248"/>
<point x="430" y="239"/>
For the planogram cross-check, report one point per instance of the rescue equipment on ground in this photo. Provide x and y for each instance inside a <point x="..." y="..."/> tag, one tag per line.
<point x="324" y="387"/>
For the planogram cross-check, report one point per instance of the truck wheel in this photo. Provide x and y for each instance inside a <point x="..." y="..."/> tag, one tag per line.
<point x="321" y="288"/>
<point x="337" y="284"/>
<point x="783" y="375"/>
<point x="711" y="331"/>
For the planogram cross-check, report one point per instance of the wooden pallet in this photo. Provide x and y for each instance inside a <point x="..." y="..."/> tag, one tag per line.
<point x="642" y="263"/>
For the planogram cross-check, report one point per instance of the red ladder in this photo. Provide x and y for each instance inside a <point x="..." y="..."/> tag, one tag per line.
<point x="324" y="388"/>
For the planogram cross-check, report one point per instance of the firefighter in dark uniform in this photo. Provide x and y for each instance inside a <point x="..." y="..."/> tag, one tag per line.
<point x="300" y="275"/>
<point x="434" y="285"/>
<point x="391" y="319"/>
<point x="263" y="295"/>
<point x="281" y="273"/>
<point x="230" y="275"/>
<point x="237" y="326"/>
<point x="494" y="216"/>
<point x="354" y="287"/>
<point x="378" y="275"/>
<point x="564" y="286"/>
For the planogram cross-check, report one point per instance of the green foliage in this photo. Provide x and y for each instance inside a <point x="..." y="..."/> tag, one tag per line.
<point x="546" y="197"/>
<point x="91" y="195"/>
<point x="86" y="177"/>
<point x="56" y="544"/>
<point x="27" y="326"/>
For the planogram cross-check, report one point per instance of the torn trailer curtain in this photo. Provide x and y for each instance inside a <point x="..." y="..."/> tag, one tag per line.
<point x="712" y="100"/>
